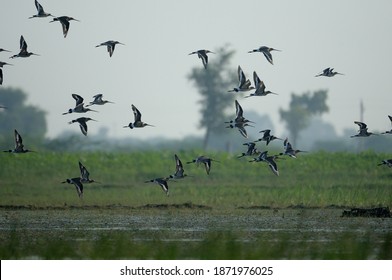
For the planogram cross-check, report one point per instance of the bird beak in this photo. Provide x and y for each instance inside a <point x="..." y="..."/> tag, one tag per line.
<point x="276" y="50"/>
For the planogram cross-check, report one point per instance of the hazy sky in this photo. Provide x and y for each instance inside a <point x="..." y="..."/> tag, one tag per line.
<point x="151" y="70"/>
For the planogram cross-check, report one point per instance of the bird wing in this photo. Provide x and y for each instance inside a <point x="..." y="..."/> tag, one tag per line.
<point x="98" y="97"/>
<point x="203" y="56"/>
<point x="39" y="7"/>
<point x="65" y="25"/>
<point x="390" y="118"/>
<point x="242" y="130"/>
<point x="238" y="110"/>
<point x="1" y="76"/>
<point x="361" y="125"/>
<point x="22" y="44"/>
<point x="272" y="165"/>
<point x="110" y="48"/>
<point x="256" y="80"/>
<point x="18" y="140"/>
<point x="207" y="165"/>
<point x="164" y="185"/>
<point x="268" y="56"/>
<point x="179" y="166"/>
<point x="84" y="174"/>
<point x="136" y="113"/>
<point x="241" y="77"/>
<point x="78" y="185"/>
<point x="83" y="126"/>
<point x="78" y="98"/>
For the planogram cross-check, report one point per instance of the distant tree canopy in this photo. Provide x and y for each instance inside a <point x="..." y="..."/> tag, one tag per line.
<point x="301" y="109"/>
<point x="213" y="84"/>
<point x="26" y="119"/>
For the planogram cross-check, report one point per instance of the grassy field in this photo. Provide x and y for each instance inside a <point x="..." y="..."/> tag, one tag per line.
<point x="240" y="211"/>
<point x="312" y="180"/>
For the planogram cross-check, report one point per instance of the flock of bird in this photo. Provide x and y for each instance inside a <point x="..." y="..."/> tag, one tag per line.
<point x="240" y="122"/>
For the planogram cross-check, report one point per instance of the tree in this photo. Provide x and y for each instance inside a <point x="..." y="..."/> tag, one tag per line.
<point x="28" y="120"/>
<point x="213" y="84"/>
<point x="301" y="109"/>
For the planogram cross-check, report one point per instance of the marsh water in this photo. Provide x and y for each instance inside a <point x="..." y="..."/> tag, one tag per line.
<point x="319" y="227"/>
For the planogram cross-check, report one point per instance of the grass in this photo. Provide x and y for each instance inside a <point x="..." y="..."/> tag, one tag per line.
<point x="231" y="193"/>
<point x="314" y="180"/>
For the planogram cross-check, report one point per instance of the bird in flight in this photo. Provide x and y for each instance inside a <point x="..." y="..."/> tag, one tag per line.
<point x="19" y="147"/>
<point x="363" y="130"/>
<point x="82" y="123"/>
<point x="40" y="11"/>
<point x="110" y="46"/>
<point x="260" y="87"/>
<point x="266" y="51"/>
<point x="202" y="54"/>
<point x="64" y="20"/>
<point x="137" y="119"/>
<point x="328" y="72"/>
<point x="23" y="49"/>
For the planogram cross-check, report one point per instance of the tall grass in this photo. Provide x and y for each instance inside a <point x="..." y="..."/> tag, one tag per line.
<point x="317" y="180"/>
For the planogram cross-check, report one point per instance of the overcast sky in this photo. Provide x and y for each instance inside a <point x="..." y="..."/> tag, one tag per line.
<point x="151" y="70"/>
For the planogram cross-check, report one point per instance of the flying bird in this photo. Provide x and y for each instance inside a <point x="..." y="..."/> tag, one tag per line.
<point x="202" y="54"/>
<point x="98" y="100"/>
<point x="110" y="46"/>
<point x="205" y="160"/>
<point x="82" y="123"/>
<point x="328" y="72"/>
<point x="363" y="130"/>
<point x="64" y="20"/>
<point x="162" y="182"/>
<point x="270" y="160"/>
<point x="137" y="119"/>
<point x="23" y="49"/>
<point x="19" y="147"/>
<point x="260" y="87"/>
<point x="79" y="106"/>
<point x="289" y="150"/>
<point x="40" y="11"/>
<point x="267" y="137"/>
<point x="252" y="150"/>
<point x="243" y="84"/>
<point x="266" y="51"/>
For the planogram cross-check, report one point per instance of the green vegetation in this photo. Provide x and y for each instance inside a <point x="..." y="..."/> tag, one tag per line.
<point x="249" y="212"/>
<point x="312" y="180"/>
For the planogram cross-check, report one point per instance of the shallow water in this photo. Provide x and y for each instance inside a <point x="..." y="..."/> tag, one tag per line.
<point x="174" y="224"/>
<point x="192" y="233"/>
